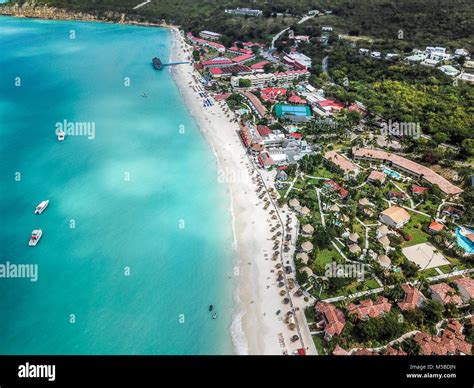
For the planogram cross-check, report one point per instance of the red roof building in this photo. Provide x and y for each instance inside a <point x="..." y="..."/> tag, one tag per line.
<point x="263" y="130"/>
<point x="370" y="309"/>
<point x="334" y="186"/>
<point x="265" y="160"/>
<point x="445" y="294"/>
<point x="451" y="342"/>
<point x="243" y="58"/>
<point x="413" y="298"/>
<point x="333" y="320"/>
<point x="216" y="63"/>
<point x="259" y="65"/>
<point x="391" y="351"/>
<point x="436" y="227"/>
<point x="296" y="135"/>
<point x="272" y="94"/>
<point x="418" y="190"/>
<point x="295" y="99"/>
<point x="465" y="287"/>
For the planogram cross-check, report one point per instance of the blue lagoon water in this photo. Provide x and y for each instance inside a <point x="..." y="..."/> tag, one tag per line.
<point x="137" y="236"/>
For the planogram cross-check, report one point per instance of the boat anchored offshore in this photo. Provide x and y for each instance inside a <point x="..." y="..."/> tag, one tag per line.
<point x="214" y="316"/>
<point x="41" y="207"/>
<point x="61" y="135"/>
<point x="35" y="237"/>
<point x="211" y="307"/>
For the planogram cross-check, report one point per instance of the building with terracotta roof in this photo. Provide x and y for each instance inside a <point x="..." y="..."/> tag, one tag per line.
<point x="272" y="94"/>
<point x="229" y="71"/>
<point x="377" y="176"/>
<point x="396" y="196"/>
<point x="265" y="160"/>
<point x="211" y="63"/>
<point x="256" y="105"/>
<point x="364" y="352"/>
<point x="450" y="342"/>
<point x="445" y="294"/>
<point x="259" y="65"/>
<point x="243" y="58"/>
<point x="418" y="190"/>
<point x="413" y="298"/>
<point x="409" y="167"/>
<point x="435" y="227"/>
<point x="341" y="163"/>
<point x="338" y="351"/>
<point x="295" y="99"/>
<point x="332" y="319"/>
<point x="391" y="351"/>
<point x="369" y="309"/>
<point x="333" y="186"/>
<point x="465" y="287"/>
<point x="395" y="217"/>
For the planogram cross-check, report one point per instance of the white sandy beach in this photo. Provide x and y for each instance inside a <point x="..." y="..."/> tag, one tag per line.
<point x="256" y="328"/>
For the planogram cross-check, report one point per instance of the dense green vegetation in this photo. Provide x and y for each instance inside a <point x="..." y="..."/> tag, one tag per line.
<point x="422" y="21"/>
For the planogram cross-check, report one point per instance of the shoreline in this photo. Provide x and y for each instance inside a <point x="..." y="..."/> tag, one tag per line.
<point x="256" y="329"/>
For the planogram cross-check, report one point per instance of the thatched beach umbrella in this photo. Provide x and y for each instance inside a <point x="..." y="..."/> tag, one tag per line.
<point x="307" y="229"/>
<point x="354" y="248"/>
<point x="354" y="237"/>
<point x="384" y="241"/>
<point x="384" y="261"/>
<point x="307" y="246"/>
<point x="294" y="202"/>
<point x="303" y="257"/>
<point x="305" y="211"/>
<point x="308" y="271"/>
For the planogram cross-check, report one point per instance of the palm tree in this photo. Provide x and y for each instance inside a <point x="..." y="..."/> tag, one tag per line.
<point x="322" y="282"/>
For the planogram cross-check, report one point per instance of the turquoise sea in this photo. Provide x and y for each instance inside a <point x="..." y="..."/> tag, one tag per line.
<point x="137" y="236"/>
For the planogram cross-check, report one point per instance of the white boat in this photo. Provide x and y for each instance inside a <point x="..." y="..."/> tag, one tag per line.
<point x="35" y="237"/>
<point x="61" y="135"/>
<point x="40" y="208"/>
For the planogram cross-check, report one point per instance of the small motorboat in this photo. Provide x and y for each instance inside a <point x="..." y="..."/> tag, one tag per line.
<point x="144" y="95"/>
<point x="214" y="316"/>
<point x="211" y="307"/>
<point x="61" y="134"/>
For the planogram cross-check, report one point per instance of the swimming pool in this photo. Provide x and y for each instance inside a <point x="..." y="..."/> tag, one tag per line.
<point x="392" y="173"/>
<point x="464" y="242"/>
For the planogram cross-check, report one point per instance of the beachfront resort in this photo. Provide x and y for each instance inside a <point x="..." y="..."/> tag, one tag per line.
<point x="373" y="243"/>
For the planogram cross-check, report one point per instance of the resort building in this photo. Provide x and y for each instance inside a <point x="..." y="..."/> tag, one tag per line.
<point x="377" y="176"/>
<point x="369" y="309"/>
<point x="341" y="163"/>
<point x="228" y="71"/>
<point x="435" y="227"/>
<point x="445" y="294"/>
<point x="217" y="63"/>
<point x="465" y="287"/>
<point x="333" y="186"/>
<point x="332" y="319"/>
<point x="413" y="298"/>
<point x="210" y="35"/>
<point x="395" y="217"/>
<point x="297" y="61"/>
<point x="244" y="12"/>
<point x="408" y="167"/>
<point x="263" y="80"/>
<point x="327" y="107"/>
<point x="255" y="104"/>
<point x="450" y="342"/>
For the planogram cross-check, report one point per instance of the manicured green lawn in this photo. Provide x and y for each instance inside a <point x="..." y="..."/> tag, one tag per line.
<point x="322" y="171"/>
<point x="417" y="234"/>
<point x="319" y="343"/>
<point x="430" y="272"/>
<point x="324" y="257"/>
